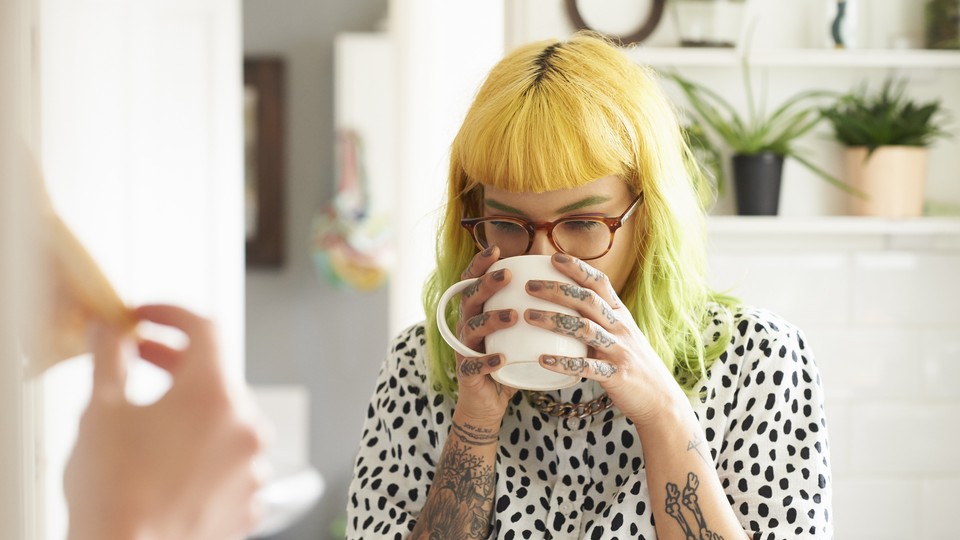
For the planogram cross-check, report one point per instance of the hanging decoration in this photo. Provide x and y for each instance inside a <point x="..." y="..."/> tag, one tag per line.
<point x="351" y="246"/>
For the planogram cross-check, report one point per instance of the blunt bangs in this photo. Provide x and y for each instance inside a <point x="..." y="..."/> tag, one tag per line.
<point x="547" y="129"/>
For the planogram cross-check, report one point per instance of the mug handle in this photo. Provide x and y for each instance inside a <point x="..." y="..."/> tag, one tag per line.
<point x="442" y="319"/>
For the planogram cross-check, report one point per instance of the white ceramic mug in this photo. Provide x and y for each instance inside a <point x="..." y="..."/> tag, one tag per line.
<point x="521" y="344"/>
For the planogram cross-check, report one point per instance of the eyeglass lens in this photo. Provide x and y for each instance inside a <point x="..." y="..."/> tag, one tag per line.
<point x="582" y="238"/>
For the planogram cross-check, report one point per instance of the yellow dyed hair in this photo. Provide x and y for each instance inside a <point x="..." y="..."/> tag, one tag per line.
<point x="556" y="115"/>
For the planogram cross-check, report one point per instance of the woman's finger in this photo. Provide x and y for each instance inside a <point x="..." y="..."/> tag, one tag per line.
<point x="589" y="368"/>
<point x="581" y="328"/>
<point x="585" y="301"/>
<point x="480" y="262"/>
<point x="469" y="368"/>
<point x="475" y="295"/>
<point x="475" y="329"/>
<point x="589" y="277"/>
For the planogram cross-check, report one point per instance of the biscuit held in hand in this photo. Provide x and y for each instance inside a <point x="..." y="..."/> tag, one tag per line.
<point x="72" y="291"/>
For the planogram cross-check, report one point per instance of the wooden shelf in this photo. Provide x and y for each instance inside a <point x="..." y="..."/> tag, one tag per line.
<point x="789" y="58"/>
<point x="833" y="225"/>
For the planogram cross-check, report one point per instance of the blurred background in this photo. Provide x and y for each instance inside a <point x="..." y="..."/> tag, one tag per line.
<point x="279" y="166"/>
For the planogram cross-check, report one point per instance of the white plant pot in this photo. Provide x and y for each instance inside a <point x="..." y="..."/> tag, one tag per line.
<point x="893" y="179"/>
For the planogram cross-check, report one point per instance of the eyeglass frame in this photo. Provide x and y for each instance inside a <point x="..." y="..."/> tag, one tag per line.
<point x="613" y="225"/>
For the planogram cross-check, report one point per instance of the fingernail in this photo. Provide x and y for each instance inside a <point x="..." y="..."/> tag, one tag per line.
<point x="534" y="286"/>
<point x="561" y="258"/>
<point x="487" y="252"/>
<point x="550" y="360"/>
<point x="498" y="275"/>
<point x="534" y="315"/>
<point x="504" y="316"/>
<point x="493" y="361"/>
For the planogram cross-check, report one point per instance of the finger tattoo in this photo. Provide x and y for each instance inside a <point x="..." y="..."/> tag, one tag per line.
<point x="471" y="367"/>
<point x="575" y="292"/>
<point x="611" y="318"/>
<point x="468" y="273"/>
<point x="478" y="321"/>
<point x="567" y="324"/>
<point x="604" y="369"/>
<point x="602" y="340"/>
<point x="592" y="273"/>
<point x="471" y="289"/>
<point x="572" y="364"/>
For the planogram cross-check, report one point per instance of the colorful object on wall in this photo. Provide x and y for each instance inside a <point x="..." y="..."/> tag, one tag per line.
<point x="352" y="247"/>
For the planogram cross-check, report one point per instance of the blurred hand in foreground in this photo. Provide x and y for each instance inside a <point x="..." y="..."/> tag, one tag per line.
<point x="182" y="467"/>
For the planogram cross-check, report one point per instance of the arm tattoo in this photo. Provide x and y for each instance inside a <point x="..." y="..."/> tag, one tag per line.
<point x="473" y="435"/>
<point x="461" y="497"/>
<point x="694" y="444"/>
<point x="567" y="324"/>
<point x="692" y="503"/>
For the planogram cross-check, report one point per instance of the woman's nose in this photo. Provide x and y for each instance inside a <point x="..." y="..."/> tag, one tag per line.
<point x="541" y="245"/>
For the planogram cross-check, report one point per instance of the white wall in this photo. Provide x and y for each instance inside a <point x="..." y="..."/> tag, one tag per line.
<point x="877" y="301"/>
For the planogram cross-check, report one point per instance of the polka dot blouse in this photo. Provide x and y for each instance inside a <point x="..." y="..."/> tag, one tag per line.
<point x="762" y="413"/>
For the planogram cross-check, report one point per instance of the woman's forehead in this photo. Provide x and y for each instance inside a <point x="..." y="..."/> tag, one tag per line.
<point x="608" y="188"/>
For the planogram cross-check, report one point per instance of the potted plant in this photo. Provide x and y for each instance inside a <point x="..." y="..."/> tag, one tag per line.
<point x="760" y="142"/>
<point x="887" y="136"/>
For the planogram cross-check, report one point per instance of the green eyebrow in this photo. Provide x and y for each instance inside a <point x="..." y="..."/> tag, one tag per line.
<point x="589" y="201"/>
<point x="497" y="205"/>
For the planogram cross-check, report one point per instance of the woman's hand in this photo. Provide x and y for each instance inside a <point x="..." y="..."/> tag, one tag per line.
<point x="482" y="399"/>
<point x="182" y="467"/>
<point x="619" y="357"/>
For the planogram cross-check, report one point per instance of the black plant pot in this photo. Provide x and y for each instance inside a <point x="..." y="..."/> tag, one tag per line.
<point x="756" y="180"/>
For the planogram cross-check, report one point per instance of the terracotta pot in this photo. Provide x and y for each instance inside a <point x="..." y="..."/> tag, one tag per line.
<point x="893" y="179"/>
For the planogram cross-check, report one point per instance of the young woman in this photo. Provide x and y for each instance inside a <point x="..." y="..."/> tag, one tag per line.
<point x="696" y="418"/>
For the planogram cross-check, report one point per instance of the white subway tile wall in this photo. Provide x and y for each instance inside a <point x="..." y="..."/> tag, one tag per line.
<point x="880" y="312"/>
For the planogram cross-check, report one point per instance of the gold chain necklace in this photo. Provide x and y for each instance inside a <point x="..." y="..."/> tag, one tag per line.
<point x="548" y="405"/>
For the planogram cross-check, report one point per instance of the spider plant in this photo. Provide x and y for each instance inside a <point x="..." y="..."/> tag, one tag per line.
<point x="707" y="155"/>
<point x="758" y="132"/>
